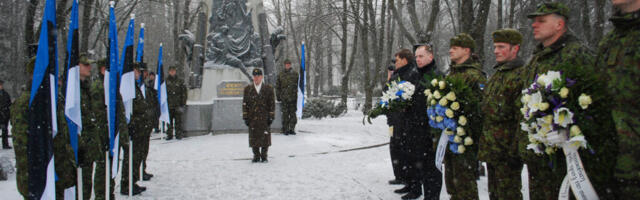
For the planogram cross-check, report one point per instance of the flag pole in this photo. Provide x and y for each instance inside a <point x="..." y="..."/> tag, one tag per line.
<point x="130" y="167"/>
<point x="80" y="188"/>
<point x="107" y="178"/>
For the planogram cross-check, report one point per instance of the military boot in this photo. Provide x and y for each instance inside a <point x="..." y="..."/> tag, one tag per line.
<point x="256" y="154"/>
<point x="263" y="155"/>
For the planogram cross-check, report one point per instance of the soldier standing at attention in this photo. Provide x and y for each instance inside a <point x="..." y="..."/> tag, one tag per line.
<point x="177" y="99"/>
<point x="619" y="56"/>
<point x="498" y="145"/>
<point x="5" y="103"/>
<point x="151" y="96"/>
<point x="461" y="169"/>
<point x="258" y="112"/>
<point x="557" y="48"/>
<point x="287" y="94"/>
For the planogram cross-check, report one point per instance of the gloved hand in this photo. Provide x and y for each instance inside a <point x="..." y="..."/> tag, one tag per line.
<point x="270" y="121"/>
<point x="246" y="121"/>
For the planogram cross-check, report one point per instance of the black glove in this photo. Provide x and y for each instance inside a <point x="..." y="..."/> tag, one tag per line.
<point x="246" y="121"/>
<point x="81" y="157"/>
<point x="270" y="121"/>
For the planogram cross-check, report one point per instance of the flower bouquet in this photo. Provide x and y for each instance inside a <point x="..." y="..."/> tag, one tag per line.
<point x="396" y="98"/>
<point x="448" y="103"/>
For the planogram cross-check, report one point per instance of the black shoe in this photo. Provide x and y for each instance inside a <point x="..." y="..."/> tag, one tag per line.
<point x="135" y="191"/>
<point x="264" y="160"/>
<point x="405" y="189"/>
<point x="146" y="177"/>
<point x="255" y="159"/>
<point x="6" y="147"/>
<point x="412" y="195"/>
<point x="169" y="138"/>
<point x="396" y="182"/>
<point x="147" y="174"/>
<point x="285" y="132"/>
<point x="293" y="133"/>
<point x="178" y="138"/>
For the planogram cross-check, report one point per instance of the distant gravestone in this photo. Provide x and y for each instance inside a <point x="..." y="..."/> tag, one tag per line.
<point x="231" y="88"/>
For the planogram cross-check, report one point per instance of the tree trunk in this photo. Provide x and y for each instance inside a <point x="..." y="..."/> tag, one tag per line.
<point x="435" y="10"/>
<point x="586" y="23"/>
<point x="87" y="24"/>
<point x="465" y="16"/>
<point x="330" y="61"/>
<point x="365" y="58"/>
<point x="344" y="82"/>
<point x="500" y="14"/>
<point x="480" y="26"/>
<point x="512" y="10"/>
<point x="600" y="20"/>
<point x="29" y="30"/>
<point x="398" y="17"/>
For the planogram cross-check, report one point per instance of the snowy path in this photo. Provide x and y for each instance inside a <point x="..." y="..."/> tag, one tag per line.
<point x="305" y="166"/>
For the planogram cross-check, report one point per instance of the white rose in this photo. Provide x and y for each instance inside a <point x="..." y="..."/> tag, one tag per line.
<point x="457" y="139"/>
<point x="427" y="92"/>
<point x="461" y="149"/>
<point x="525" y="99"/>
<point x="564" y="92"/>
<point x="449" y="113"/>
<point x="455" y="105"/>
<point x="584" y="100"/>
<point x="442" y="85"/>
<point x="448" y="132"/>
<point x="460" y="131"/>
<point x="544" y="106"/>
<point x="534" y="102"/>
<point x="443" y="102"/>
<point x="462" y="120"/>
<point x="437" y="95"/>
<point x="433" y="102"/>
<point x="524" y="126"/>
<point x="434" y="82"/>
<point x="451" y="96"/>
<point x="468" y="141"/>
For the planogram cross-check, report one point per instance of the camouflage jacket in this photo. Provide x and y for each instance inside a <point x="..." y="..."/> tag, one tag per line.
<point x="19" y="128"/>
<point x="619" y="55"/>
<point x="501" y="113"/>
<point x="91" y="137"/>
<point x="100" y="109"/>
<point x="176" y="92"/>
<point x="64" y="156"/>
<point x="140" y="113"/>
<point x="597" y="160"/>
<point x="287" y="86"/>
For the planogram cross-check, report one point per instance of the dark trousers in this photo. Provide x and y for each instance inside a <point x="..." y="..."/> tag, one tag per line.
<point x="5" y="134"/>
<point x="421" y="170"/>
<point x="175" y="117"/>
<point x="99" y="180"/>
<point x="260" y="152"/>
<point x="398" y="157"/>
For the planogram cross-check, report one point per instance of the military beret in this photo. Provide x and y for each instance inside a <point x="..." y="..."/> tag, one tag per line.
<point x="103" y="62"/>
<point x="463" y="40"/>
<point x="546" y="8"/>
<point x="257" y="72"/>
<point x="507" y="35"/>
<point x="172" y="68"/>
<point x="140" y="66"/>
<point x="84" y="59"/>
<point x="287" y="61"/>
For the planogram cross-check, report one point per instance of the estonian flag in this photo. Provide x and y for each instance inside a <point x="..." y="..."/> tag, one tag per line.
<point x="72" y="104"/>
<point x="111" y="92"/>
<point x="140" y="57"/>
<point x="161" y="86"/>
<point x="301" y="84"/>
<point x="127" y="81"/>
<point x="43" y="125"/>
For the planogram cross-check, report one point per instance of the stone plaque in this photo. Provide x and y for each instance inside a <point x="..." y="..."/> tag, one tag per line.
<point x="231" y="88"/>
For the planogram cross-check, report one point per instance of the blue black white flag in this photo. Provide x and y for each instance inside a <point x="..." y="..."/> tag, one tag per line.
<point x="43" y="124"/>
<point x="127" y="81"/>
<point x="111" y="92"/>
<point x="301" y="84"/>
<point x="161" y="86"/>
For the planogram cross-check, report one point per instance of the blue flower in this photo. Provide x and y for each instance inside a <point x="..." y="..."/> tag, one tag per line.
<point x="399" y="93"/>
<point x="431" y="111"/>
<point x="441" y="110"/>
<point x="453" y="147"/>
<point x="440" y="125"/>
<point x="451" y="138"/>
<point x="450" y="124"/>
<point x="432" y="123"/>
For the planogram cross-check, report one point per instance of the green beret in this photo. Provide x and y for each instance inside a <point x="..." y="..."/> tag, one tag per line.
<point x="173" y="67"/>
<point x="546" y="8"/>
<point x="140" y="66"/>
<point x="257" y="72"/>
<point x="84" y="59"/>
<point x="287" y="61"/>
<point x="507" y="35"/>
<point x="103" y="62"/>
<point x="463" y="40"/>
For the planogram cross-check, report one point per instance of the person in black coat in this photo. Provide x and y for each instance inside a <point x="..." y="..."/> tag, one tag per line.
<point x="5" y="103"/>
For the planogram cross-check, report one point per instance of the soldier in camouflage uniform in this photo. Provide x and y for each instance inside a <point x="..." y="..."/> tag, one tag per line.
<point x="137" y="129"/>
<point x="152" y="117"/>
<point x="90" y="142"/>
<point x="177" y="99"/>
<point x="619" y="55"/>
<point x="258" y="112"/>
<point x="462" y="169"/>
<point x="498" y="145"/>
<point x="287" y="94"/>
<point x="558" y="48"/>
<point x="100" y="108"/>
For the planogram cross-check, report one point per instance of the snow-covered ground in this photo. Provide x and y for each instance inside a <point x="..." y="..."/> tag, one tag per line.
<point x="310" y="165"/>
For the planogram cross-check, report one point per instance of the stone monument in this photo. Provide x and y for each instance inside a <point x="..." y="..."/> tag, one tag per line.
<point x="222" y="55"/>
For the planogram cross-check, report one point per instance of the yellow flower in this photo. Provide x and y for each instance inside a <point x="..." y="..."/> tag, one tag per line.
<point x="584" y="100"/>
<point x="448" y="132"/>
<point x="455" y="105"/>
<point x="433" y="102"/>
<point x="451" y="96"/>
<point x="460" y="131"/>
<point x="461" y="149"/>
<point x="427" y="92"/>
<point x="549" y="150"/>
<point x="575" y="131"/>
<point x="457" y="139"/>
<point x="439" y="118"/>
<point x="468" y="141"/>
<point x="525" y="99"/>
<point x="437" y="94"/>
<point x="449" y="113"/>
<point x="564" y="92"/>
<point x="443" y="102"/>
<point x="434" y="82"/>
<point x="544" y="106"/>
<point x="442" y="85"/>
<point x="462" y="120"/>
